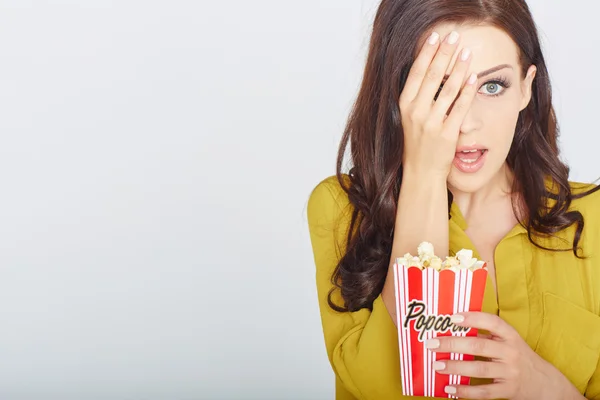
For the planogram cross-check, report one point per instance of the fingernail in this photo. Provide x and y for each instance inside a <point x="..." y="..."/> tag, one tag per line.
<point x="457" y="319"/>
<point x="450" y="389"/>
<point x="439" y="365"/>
<point x="432" y="344"/>
<point x="465" y="54"/>
<point x="472" y="79"/>
<point x="453" y="38"/>
<point x="434" y="38"/>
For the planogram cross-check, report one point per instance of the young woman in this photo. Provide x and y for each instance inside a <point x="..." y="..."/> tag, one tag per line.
<point x="454" y="141"/>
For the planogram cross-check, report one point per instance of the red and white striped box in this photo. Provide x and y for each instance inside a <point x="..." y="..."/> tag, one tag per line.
<point x="425" y="300"/>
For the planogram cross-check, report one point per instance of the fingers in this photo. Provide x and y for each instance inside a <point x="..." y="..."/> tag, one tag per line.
<point x="488" y="322"/>
<point x="452" y="86"/>
<point x="468" y="345"/>
<point x="492" y="391"/>
<point x="435" y="73"/>
<point x="461" y="106"/>
<point x="419" y="69"/>
<point x="485" y="335"/>
<point x="472" y="369"/>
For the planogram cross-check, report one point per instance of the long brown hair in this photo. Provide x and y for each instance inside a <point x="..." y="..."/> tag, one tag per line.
<point x="374" y="132"/>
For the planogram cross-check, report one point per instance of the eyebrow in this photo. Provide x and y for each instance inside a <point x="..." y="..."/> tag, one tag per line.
<point x="492" y="70"/>
<point x="489" y="71"/>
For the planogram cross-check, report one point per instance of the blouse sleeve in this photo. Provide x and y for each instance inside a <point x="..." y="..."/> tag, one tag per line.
<point x="362" y="346"/>
<point x="593" y="389"/>
<point x="592" y="216"/>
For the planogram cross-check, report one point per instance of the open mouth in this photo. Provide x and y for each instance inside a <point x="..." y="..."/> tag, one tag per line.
<point x="470" y="156"/>
<point x="471" y="160"/>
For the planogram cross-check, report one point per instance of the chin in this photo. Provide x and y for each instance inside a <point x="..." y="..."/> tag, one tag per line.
<point x="467" y="182"/>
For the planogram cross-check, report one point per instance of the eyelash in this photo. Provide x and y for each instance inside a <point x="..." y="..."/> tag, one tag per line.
<point x="498" y="81"/>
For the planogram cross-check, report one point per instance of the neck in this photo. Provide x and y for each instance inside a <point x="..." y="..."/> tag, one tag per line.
<point x="498" y="189"/>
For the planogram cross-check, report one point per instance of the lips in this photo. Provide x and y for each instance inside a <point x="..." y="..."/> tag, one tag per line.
<point x="470" y="156"/>
<point x="470" y="159"/>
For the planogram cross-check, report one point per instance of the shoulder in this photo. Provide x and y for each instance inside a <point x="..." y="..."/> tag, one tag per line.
<point x="585" y="199"/>
<point x="589" y="206"/>
<point x="328" y="196"/>
<point x="328" y="205"/>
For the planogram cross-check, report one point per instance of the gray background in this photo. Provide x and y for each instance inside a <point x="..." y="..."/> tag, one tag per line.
<point x="155" y="162"/>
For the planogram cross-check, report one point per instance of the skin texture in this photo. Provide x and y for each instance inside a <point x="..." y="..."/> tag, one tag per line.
<point x="491" y="121"/>
<point x="434" y="128"/>
<point x="518" y="372"/>
<point x="484" y="197"/>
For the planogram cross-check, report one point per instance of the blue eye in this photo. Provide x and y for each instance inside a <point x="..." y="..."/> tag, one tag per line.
<point x="496" y="87"/>
<point x="493" y="88"/>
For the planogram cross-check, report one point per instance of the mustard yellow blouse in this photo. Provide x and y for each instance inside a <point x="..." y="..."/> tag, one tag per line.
<point x="551" y="298"/>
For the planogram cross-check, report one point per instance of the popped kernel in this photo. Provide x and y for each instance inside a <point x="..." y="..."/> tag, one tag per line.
<point x="427" y="259"/>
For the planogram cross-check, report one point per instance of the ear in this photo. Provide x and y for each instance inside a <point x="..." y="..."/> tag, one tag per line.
<point x="526" y="86"/>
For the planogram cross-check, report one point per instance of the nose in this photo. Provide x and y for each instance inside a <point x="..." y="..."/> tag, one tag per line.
<point x="472" y="121"/>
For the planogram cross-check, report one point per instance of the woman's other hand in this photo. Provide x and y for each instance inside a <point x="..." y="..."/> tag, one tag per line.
<point x="518" y="372"/>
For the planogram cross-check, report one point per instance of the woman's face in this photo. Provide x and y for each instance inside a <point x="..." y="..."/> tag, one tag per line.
<point x="489" y="125"/>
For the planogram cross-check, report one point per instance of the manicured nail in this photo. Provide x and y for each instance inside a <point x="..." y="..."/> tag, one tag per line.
<point x="433" y="39"/>
<point x="472" y="79"/>
<point x="450" y="389"/>
<point x="453" y="38"/>
<point x="465" y="54"/>
<point x="457" y="318"/>
<point x="439" y="365"/>
<point x="432" y="344"/>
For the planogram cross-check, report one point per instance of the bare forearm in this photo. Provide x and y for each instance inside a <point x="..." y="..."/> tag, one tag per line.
<point x="566" y="391"/>
<point x="422" y="215"/>
<point x="559" y="387"/>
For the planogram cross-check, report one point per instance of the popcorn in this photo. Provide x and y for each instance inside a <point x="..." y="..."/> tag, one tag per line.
<point x="466" y="258"/>
<point x="452" y="263"/>
<point x="415" y="262"/>
<point x="410" y="261"/>
<point x="425" y="250"/>
<point x="425" y="303"/>
<point x="436" y="263"/>
<point x="427" y="259"/>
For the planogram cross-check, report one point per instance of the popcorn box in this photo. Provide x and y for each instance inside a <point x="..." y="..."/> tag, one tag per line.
<point x="425" y="300"/>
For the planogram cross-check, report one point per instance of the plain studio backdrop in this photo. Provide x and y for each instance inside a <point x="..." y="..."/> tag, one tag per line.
<point x="156" y="159"/>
